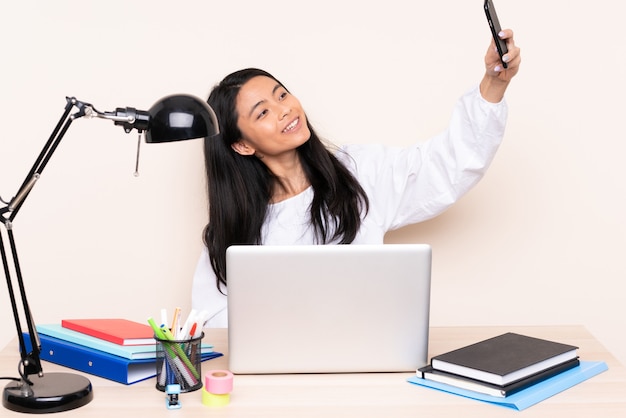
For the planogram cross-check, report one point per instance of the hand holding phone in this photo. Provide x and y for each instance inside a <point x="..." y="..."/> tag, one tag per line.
<point x="494" y="25"/>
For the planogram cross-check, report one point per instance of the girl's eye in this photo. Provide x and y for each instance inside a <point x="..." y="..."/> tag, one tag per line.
<point x="282" y="95"/>
<point x="262" y="113"/>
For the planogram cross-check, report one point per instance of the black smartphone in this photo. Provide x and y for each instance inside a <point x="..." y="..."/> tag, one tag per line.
<point x="494" y="25"/>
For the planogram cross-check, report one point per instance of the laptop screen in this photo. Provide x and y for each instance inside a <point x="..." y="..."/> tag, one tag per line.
<point x="328" y="308"/>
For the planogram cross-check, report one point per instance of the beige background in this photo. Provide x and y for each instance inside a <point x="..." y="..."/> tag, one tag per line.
<point x="540" y="240"/>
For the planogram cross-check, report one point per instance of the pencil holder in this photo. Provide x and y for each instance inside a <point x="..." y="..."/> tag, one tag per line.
<point x="179" y="361"/>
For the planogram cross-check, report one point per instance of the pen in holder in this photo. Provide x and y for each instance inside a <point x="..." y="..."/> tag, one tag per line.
<point x="179" y="361"/>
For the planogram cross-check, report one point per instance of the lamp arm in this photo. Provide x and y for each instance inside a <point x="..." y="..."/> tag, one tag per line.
<point x="129" y="118"/>
<point x="44" y="157"/>
<point x="30" y="361"/>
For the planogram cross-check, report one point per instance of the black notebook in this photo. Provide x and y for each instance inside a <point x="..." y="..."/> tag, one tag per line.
<point x="504" y="359"/>
<point x="429" y="373"/>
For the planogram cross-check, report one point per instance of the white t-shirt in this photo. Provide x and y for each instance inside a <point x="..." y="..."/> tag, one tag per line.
<point x="404" y="186"/>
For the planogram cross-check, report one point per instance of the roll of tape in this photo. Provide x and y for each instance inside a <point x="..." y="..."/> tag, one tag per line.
<point x="212" y="399"/>
<point x="219" y="382"/>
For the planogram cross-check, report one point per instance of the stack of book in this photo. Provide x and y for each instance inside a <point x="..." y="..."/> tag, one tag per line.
<point x="116" y="349"/>
<point x="502" y="365"/>
<point x="510" y="369"/>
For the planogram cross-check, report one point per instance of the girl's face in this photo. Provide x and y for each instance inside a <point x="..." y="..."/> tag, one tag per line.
<point x="271" y="120"/>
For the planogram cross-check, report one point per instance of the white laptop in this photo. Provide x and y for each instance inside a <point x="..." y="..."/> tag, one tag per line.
<point x="328" y="308"/>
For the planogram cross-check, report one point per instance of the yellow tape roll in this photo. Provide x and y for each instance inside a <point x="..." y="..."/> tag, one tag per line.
<point x="211" y="399"/>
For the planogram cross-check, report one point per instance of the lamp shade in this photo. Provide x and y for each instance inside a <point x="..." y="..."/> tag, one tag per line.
<point x="179" y="117"/>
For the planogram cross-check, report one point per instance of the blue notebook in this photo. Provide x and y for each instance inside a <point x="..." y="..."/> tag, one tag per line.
<point x="530" y="396"/>
<point x="131" y="352"/>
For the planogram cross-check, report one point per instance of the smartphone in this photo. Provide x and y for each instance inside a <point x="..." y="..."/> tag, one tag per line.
<point x="494" y="25"/>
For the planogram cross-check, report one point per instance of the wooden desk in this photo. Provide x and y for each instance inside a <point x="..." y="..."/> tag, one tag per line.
<point x="356" y="395"/>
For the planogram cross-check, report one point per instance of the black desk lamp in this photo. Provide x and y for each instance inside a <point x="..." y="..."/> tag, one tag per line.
<point x="172" y="118"/>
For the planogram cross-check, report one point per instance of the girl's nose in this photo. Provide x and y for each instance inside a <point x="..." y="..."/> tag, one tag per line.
<point x="284" y="111"/>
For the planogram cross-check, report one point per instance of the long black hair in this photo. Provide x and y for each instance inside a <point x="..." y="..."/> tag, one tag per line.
<point x="240" y="187"/>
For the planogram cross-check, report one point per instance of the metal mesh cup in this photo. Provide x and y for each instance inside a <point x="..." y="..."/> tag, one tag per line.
<point x="179" y="361"/>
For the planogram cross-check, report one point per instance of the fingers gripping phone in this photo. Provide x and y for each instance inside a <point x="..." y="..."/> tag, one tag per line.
<point x="494" y="25"/>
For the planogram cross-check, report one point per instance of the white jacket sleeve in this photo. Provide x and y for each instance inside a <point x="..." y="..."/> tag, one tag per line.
<point x="410" y="185"/>
<point x="205" y="296"/>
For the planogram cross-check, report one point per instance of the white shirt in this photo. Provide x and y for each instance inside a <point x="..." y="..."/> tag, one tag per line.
<point x="404" y="186"/>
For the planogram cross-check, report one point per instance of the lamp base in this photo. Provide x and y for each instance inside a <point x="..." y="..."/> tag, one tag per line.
<point x="54" y="392"/>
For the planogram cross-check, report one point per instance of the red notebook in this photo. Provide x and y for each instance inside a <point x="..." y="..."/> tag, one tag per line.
<point x="118" y="331"/>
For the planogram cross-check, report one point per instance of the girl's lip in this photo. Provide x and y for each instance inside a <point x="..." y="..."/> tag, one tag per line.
<point x="293" y="125"/>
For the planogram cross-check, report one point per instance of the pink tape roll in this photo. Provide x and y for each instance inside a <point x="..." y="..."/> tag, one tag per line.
<point x="219" y="382"/>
